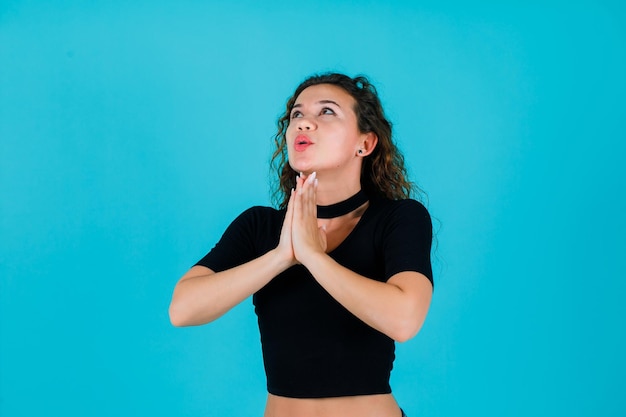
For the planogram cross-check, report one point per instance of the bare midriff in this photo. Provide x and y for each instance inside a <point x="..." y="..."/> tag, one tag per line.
<point x="381" y="405"/>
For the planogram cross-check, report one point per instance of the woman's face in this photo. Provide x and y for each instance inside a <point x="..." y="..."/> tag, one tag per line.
<point x="323" y="133"/>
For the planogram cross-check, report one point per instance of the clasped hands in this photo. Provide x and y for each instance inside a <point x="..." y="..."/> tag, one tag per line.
<point x="301" y="237"/>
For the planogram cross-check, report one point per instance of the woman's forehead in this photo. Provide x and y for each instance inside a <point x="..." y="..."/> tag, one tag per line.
<point x="325" y="92"/>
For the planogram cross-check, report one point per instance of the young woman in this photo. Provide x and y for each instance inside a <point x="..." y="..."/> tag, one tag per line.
<point x="339" y="272"/>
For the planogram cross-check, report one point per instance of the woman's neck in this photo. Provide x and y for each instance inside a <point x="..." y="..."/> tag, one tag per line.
<point x="331" y="193"/>
<point x="335" y="187"/>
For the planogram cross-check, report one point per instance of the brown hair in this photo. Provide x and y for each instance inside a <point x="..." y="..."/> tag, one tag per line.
<point x="383" y="173"/>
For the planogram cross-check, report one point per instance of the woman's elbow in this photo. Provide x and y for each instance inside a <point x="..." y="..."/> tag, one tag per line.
<point x="405" y="333"/>
<point x="177" y="315"/>
<point x="181" y="315"/>
<point x="408" y="328"/>
<point x="410" y="312"/>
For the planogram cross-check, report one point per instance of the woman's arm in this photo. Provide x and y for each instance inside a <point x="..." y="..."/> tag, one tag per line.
<point x="203" y="295"/>
<point x="396" y="308"/>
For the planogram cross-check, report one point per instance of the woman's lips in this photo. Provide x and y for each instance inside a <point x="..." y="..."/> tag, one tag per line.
<point x="301" y="143"/>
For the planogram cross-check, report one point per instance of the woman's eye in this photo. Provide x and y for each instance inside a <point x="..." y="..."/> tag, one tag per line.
<point x="327" y="110"/>
<point x="295" y="114"/>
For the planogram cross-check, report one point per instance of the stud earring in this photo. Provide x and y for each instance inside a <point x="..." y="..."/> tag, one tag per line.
<point x="360" y="151"/>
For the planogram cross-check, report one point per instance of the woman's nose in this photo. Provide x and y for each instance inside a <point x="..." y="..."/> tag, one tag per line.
<point x="305" y="124"/>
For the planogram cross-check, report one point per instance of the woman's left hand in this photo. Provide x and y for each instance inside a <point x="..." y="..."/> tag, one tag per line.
<point x="307" y="237"/>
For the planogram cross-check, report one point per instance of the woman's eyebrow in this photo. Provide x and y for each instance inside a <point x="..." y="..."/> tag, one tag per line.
<point x="319" y="102"/>
<point x="329" y="102"/>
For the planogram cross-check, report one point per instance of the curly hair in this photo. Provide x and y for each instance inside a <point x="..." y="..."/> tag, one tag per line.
<point x="383" y="173"/>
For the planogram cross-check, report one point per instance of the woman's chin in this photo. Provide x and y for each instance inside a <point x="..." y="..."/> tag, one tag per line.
<point x="301" y="166"/>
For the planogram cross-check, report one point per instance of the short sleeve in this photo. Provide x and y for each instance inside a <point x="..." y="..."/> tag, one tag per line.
<point x="237" y="244"/>
<point x="407" y="239"/>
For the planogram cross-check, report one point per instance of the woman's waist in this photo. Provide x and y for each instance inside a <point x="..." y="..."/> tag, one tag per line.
<point x="376" y="405"/>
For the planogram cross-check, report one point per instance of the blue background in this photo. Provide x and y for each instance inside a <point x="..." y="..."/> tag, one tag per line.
<point x="131" y="134"/>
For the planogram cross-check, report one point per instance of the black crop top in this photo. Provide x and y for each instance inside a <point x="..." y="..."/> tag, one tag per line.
<point x="312" y="346"/>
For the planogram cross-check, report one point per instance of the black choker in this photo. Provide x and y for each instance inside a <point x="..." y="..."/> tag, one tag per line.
<point x="343" y="207"/>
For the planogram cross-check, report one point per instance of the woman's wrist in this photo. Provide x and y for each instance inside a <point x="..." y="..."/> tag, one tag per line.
<point x="282" y="260"/>
<point x="313" y="258"/>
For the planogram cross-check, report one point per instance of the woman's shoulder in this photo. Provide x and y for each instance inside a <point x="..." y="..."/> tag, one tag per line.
<point x="406" y="206"/>
<point x="254" y="223"/>
<point x="406" y="214"/>
<point x="262" y="211"/>
<point x="261" y="215"/>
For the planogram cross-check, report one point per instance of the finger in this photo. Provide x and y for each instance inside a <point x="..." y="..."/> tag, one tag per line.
<point x="310" y="183"/>
<point x="289" y="213"/>
<point x="299" y="184"/>
<point x="308" y="194"/>
<point x="313" y="197"/>
<point x="287" y="223"/>
<point x="300" y="178"/>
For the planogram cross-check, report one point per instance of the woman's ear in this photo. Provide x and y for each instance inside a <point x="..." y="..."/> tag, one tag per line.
<point x="368" y="143"/>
